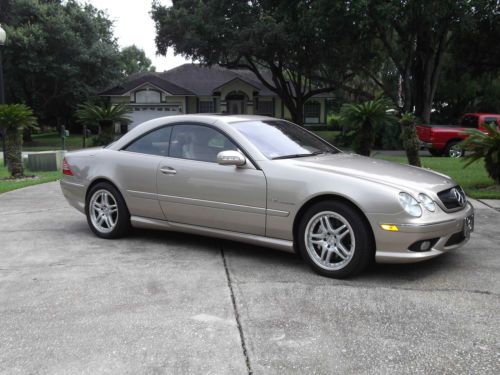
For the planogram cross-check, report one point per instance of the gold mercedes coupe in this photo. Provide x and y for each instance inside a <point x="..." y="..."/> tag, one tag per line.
<point x="271" y="183"/>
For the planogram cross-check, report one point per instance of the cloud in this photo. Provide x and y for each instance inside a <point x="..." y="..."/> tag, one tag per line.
<point x="133" y="25"/>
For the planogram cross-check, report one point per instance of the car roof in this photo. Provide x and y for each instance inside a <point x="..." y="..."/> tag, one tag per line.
<point x="228" y="117"/>
<point x="209" y="118"/>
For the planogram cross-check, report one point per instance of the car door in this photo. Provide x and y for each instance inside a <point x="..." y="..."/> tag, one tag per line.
<point x="136" y="168"/>
<point x="194" y="189"/>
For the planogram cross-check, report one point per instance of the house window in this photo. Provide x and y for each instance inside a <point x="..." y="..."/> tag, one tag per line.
<point x="312" y="112"/>
<point x="265" y="108"/>
<point x="147" y="96"/>
<point x="206" y="106"/>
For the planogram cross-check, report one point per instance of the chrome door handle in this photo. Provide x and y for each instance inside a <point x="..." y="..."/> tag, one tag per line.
<point x="168" y="170"/>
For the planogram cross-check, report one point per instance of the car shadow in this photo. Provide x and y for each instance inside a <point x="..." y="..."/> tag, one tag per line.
<point x="246" y="259"/>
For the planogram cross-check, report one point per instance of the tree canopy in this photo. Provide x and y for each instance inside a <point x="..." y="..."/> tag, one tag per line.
<point x="305" y="45"/>
<point x="134" y="60"/>
<point x="363" y="48"/>
<point x="57" y="53"/>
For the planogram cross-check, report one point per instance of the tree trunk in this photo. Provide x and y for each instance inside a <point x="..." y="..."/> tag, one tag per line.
<point x="364" y="139"/>
<point x="492" y="166"/>
<point x="297" y="114"/>
<point x="13" y="145"/>
<point x="410" y="141"/>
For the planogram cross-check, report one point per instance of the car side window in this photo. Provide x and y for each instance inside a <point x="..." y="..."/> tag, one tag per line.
<point x="197" y="142"/>
<point x="470" y="121"/>
<point x="491" y="120"/>
<point x="154" y="143"/>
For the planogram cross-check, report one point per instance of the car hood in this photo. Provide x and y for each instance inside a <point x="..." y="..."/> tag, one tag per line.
<point x="393" y="174"/>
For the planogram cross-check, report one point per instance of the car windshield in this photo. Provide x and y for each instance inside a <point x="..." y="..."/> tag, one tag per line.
<point x="282" y="139"/>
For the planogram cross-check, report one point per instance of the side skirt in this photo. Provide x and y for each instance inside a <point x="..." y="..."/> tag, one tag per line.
<point x="274" y="243"/>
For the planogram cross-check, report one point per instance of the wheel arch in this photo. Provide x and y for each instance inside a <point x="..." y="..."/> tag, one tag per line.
<point x="457" y="140"/>
<point x="331" y="197"/>
<point x="99" y="180"/>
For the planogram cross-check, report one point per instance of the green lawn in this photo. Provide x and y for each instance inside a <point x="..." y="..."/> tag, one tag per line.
<point x="327" y="135"/>
<point x="6" y="184"/>
<point x="52" y="141"/>
<point x="474" y="179"/>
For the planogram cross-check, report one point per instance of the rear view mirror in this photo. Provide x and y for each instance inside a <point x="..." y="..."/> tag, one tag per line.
<point x="231" y="157"/>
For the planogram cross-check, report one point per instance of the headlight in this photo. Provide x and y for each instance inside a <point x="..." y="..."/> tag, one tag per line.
<point x="410" y="204"/>
<point x="427" y="202"/>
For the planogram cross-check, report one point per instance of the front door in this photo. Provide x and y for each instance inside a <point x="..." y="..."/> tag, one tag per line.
<point x="236" y="107"/>
<point x="194" y="189"/>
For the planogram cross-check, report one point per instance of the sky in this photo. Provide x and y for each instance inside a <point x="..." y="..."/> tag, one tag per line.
<point x="133" y="25"/>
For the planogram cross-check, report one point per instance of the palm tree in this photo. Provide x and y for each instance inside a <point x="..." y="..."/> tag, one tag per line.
<point x="487" y="146"/>
<point x="365" y="117"/>
<point x="14" y="118"/>
<point x="104" y="117"/>
<point x="410" y="139"/>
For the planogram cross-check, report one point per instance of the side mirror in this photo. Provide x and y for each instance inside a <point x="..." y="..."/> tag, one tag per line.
<point x="231" y="157"/>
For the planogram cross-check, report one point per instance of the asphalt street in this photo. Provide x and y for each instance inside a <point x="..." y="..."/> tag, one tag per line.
<point x="170" y="303"/>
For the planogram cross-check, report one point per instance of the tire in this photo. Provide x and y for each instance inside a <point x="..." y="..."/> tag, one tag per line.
<point x="107" y="217"/>
<point x="435" y="152"/>
<point x="335" y="254"/>
<point x="453" y="151"/>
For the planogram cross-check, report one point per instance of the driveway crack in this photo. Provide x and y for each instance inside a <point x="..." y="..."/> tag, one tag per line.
<point x="236" y="312"/>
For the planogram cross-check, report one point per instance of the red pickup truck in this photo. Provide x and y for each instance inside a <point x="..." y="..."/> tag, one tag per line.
<point x="444" y="139"/>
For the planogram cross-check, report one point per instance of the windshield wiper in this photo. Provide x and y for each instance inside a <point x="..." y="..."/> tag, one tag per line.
<point x="297" y="155"/>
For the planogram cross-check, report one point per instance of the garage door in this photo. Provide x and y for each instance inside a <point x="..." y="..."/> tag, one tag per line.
<point x="142" y="114"/>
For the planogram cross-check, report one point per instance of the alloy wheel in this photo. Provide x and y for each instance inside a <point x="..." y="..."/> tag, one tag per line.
<point x="103" y="211"/>
<point x="329" y="240"/>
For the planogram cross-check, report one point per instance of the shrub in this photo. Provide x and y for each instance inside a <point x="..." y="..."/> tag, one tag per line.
<point x="365" y="118"/>
<point x="14" y="118"/>
<point x="104" y="118"/>
<point x="484" y="145"/>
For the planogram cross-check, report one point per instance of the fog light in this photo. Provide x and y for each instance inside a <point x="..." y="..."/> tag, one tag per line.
<point x="426" y="245"/>
<point x="423" y="245"/>
<point x="389" y="227"/>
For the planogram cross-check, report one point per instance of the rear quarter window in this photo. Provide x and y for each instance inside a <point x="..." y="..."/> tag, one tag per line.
<point x="154" y="143"/>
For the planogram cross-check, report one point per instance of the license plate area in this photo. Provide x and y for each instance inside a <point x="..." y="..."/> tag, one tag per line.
<point x="468" y="226"/>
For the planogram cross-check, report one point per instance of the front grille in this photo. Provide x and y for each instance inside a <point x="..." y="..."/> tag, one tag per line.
<point x="455" y="239"/>
<point x="453" y="198"/>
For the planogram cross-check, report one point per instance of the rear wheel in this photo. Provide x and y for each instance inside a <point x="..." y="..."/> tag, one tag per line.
<point x="453" y="150"/>
<point x="107" y="213"/>
<point x="334" y="239"/>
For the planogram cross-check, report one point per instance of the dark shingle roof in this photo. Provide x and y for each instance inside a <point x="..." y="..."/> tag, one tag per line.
<point x="194" y="79"/>
<point x="140" y="79"/>
<point x="203" y="80"/>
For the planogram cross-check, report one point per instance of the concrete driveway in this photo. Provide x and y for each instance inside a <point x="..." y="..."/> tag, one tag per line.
<point x="166" y="303"/>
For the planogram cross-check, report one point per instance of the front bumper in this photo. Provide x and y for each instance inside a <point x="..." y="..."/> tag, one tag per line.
<point x="445" y="230"/>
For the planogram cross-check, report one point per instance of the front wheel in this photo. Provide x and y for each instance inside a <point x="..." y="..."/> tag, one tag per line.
<point x="107" y="213"/>
<point x="334" y="239"/>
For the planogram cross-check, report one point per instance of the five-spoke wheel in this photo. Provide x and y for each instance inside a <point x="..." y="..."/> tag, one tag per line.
<point x="453" y="150"/>
<point x="106" y="211"/>
<point x="329" y="240"/>
<point x="334" y="239"/>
